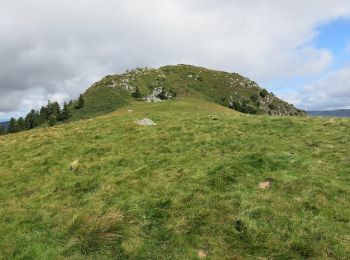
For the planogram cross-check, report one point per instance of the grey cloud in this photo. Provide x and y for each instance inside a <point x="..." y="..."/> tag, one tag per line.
<point x="59" y="48"/>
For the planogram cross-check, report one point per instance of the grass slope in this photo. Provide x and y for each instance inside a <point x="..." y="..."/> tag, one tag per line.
<point x="100" y="100"/>
<point x="185" y="187"/>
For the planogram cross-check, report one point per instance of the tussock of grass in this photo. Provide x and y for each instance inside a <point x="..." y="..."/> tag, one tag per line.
<point x="95" y="233"/>
<point x="189" y="184"/>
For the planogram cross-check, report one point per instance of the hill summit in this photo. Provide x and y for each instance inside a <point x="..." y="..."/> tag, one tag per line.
<point x="152" y="85"/>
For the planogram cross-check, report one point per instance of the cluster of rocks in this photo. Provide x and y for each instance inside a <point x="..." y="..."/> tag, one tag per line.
<point x="161" y="77"/>
<point x="128" y="82"/>
<point x="128" y="78"/>
<point x="112" y="85"/>
<point x="158" y="94"/>
<point x="261" y="102"/>
<point x="273" y="106"/>
<point x="159" y="81"/>
<point x="125" y="83"/>
<point x="244" y="83"/>
<point x="138" y="71"/>
<point x="195" y="77"/>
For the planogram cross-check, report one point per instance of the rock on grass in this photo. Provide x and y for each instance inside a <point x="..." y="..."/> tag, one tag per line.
<point x="145" y="122"/>
<point x="74" y="165"/>
<point x="265" y="185"/>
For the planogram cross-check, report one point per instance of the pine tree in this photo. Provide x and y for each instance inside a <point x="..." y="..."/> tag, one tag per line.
<point x="22" y="126"/>
<point x="49" y="109"/>
<point x="57" y="110"/>
<point x="53" y="108"/>
<point x="52" y="120"/>
<point x="66" y="114"/>
<point x="13" y="126"/>
<point x="44" y="114"/>
<point x="81" y="102"/>
<point x="36" y="117"/>
<point x="33" y="119"/>
<point x="2" y="130"/>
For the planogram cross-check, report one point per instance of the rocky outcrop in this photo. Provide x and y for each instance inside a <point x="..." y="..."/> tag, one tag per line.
<point x="158" y="94"/>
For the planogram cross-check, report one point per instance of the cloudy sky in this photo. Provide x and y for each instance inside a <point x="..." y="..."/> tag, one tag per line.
<point x="55" y="49"/>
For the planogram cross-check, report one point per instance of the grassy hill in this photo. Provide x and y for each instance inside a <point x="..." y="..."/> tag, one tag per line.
<point x="186" y="188"/>
<point x="227" y="89"/>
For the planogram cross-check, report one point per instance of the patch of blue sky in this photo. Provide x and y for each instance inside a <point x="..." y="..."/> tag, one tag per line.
<point x="335" y="37"/>
<point x="286" y="85"/>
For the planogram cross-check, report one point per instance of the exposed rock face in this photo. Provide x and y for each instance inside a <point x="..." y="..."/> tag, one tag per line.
<point x="269" y="105"/>
<point x="158" y="94"/>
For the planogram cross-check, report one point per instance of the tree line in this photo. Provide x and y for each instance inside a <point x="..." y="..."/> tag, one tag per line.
<point x="50" y="114"/>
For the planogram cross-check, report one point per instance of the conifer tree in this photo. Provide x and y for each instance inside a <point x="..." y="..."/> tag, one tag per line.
<point x="81" y="102"/>
<point x="57" y="110"/>
<point x="32" y="119"/>
<point x="52" y="120"/>
<point x="22" y="126"/>
<point x="65" y="115"/>
<point x="13" y="126"/>
<point x="44" y="114"/>
<point x="53" y="108"/>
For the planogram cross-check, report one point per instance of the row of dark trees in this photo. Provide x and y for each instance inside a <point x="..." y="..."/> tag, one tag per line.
<point x="50" y="114"/>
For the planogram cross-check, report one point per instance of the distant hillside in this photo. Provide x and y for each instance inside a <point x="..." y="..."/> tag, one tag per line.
<point x="4" y="124"/>
<point x="228" y="89"/>
<point x="336" y="113"/>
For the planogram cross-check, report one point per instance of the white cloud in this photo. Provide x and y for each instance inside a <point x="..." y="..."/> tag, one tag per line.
<point x="60" y="47"/>
<point x="328" y="93"/>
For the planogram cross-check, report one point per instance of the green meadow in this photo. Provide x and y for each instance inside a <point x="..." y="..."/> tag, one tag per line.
<point x="186" y="188"/>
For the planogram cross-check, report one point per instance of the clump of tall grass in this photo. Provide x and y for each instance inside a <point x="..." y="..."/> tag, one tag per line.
<point x="92" y="233"/>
